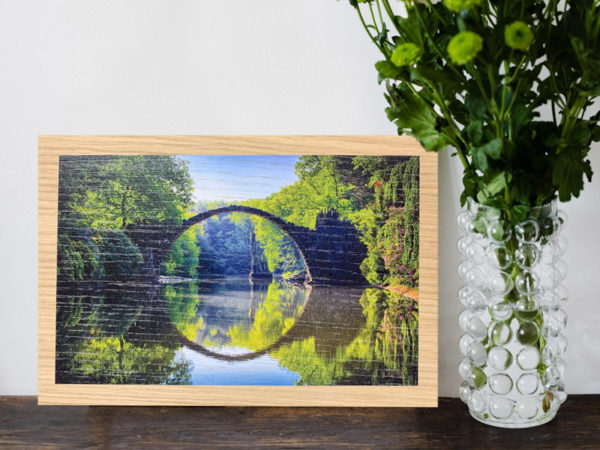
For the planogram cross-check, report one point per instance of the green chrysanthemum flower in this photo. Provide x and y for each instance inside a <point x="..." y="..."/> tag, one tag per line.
<point x="518" y="36"/>
<point x="406" y="54"/>
<point x="464" y="47"/>
<point x="457" y="5"/>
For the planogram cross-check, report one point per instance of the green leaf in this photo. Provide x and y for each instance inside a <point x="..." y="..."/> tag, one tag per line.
<point x="547" y="401"/>
<point x="521" y="116"/>
<point x="439" y="76"/>
<point x="482" y="197"/>
<point x="415" y="117"/>
<point x="493" y="148"/>
<point x="388" y="70"/>
<point x="581" y="135"/>
<point x="497" y="183"/>
<point x="520" y="212"/>
<point x="596" y="133"/>
<point x="381" y="38"/>
<point x="475" y="131"/>
<point x="479" y="159"/>
<point x="469" y="184"/>
<point x="568" y="172"/>
<point x="477" y="107"/>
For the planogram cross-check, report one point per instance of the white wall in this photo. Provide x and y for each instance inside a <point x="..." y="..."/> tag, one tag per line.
<point x="215" y="67"/>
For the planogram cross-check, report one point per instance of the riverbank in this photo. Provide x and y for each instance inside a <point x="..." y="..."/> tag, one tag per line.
<point x="404" y="290"/>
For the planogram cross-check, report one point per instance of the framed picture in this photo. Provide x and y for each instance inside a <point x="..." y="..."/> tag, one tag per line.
<point x="237" y="270"/>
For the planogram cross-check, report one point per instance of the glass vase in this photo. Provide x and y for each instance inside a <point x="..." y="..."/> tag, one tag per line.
<point x="513" y="324"/>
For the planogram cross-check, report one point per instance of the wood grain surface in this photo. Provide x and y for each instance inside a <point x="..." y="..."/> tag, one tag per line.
<point x="50" y="147"/>
<point x="25" y="424"/>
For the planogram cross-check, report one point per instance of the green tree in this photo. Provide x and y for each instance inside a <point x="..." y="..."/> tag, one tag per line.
<point x="182" y="259"/>
<point x="379" y="194"/>
<point x="135" y="190"/>
<point x="182" y="307"/>
<point x="113" y="360"/>
<point x="100" y="196"/>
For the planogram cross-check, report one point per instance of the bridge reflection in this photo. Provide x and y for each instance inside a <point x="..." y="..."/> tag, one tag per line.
<point x="132" y="333"/>
<point x="333" y="317"/>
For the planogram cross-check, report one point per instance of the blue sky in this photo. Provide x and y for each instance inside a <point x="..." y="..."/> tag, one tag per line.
<point x="264" y="370"/>
<point x="240" y="177"/>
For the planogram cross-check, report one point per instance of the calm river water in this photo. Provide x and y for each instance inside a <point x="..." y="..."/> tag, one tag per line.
<point x="230" y="331"/>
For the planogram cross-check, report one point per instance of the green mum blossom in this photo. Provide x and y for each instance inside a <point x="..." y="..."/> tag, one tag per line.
<point x="464" y="47"/>
<point x="457" y="5"/>
<point x="518" y="36"/>
<point x="406" y="54"/>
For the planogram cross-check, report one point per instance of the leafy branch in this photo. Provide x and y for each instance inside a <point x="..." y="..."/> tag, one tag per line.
<point x="476" y="75"/>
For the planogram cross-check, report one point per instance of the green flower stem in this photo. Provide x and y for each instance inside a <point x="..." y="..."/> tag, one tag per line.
<point x="548" y="13"/>
<point x="571" y="116"/>
<point x="553" y="110"/>
<point x="492" y="80"/>
<point x="513" y="100"/>
<point x="379" y="12"/>
<point x="391" y="15"/>
<point x="382" y="49"/>
<point x="505" y="113"/>
<point x="522" y="10"/>
<point x="460" y="152"/>
<point x="514" y="296"/>
<point x="559" y="100"/>
<point x="523" y="63"/>
<point x="475" y="74"/>
<point x="436" y="48"/>
<point x="440" y="18"/>
<point x="596" y="32"/>
<point x="465" y="72"/>
<point x="452" y="123"/>
<point x="490" y="103"/>
<point x="505" y="84"/>
<point x="373" y="17"/>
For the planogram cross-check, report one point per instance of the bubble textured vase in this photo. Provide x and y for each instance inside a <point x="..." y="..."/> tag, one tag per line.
<point x="513" y="341"/>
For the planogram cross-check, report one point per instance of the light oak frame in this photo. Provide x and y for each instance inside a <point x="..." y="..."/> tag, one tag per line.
<point x="425" y="394"/>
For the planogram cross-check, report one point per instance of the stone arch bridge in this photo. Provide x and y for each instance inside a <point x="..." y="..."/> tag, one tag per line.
<point x="332" y="252"/>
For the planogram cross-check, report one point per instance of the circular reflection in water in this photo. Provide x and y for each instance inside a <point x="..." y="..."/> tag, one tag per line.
<point x="232" y="317"/>
<point x="229" y="332"/>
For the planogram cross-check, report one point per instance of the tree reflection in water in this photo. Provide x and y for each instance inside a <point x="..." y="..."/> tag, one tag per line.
<point x="325" y="335"/>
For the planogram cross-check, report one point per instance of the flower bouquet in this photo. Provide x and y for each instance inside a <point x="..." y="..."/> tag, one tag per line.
<point x="510" y="86"/>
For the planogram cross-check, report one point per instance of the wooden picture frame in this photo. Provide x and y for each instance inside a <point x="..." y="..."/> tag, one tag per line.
<point x="423" y="394"/>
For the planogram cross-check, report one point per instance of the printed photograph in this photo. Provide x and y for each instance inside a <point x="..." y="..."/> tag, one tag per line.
<point x="274" y="270"/>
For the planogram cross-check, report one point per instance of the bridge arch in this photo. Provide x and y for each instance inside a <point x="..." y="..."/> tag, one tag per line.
<point x="332" y="252"/>
<point x="297" y="234"/>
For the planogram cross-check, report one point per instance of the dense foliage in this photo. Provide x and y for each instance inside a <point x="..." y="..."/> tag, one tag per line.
<point x="475" y="75"/>
<point x="110" y="334"/>
<point x="100" y="197"/>
<point x="116" y="361"/>
<point x="380" y="195"/>
<point x="96" y="255"/>
<point x="183" y="259"/>
<point x="103" y="197"/>
<point x="382" y="349"/>
<point x="118" y="192"/>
